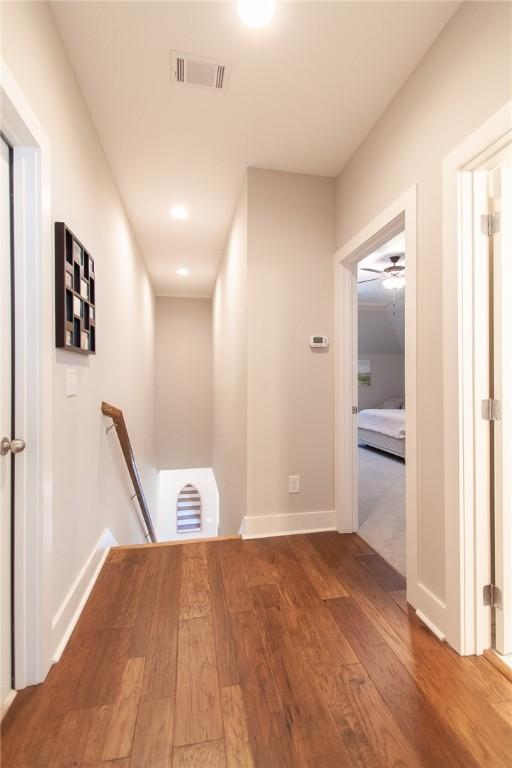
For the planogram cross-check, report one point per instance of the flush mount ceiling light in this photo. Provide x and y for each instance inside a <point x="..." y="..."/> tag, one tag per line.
<point x="256" y="13"/>
<point x="182" y="272"/>
<point x="394" y="282"/>
<point x="179" y="212"/>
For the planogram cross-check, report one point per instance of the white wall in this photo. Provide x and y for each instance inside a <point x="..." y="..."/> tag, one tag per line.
<point x="290" y="237"/>
<point x="379" y="331"/>
<point x="170" y="483"/>
<point x="230" y="374"/>
<point x="91" y="490"/>
<point x="381" y="341"/>
<point x="183" y="383"/>
<point x="273" y="405"/>
<point x="396" y="317"/>
<point x="463" y="80"/>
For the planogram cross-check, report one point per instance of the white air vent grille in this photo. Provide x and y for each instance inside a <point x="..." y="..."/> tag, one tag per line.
<point x="198" y="71"/>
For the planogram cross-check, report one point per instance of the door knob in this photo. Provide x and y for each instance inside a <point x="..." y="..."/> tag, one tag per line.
<point x="11" y="446"/>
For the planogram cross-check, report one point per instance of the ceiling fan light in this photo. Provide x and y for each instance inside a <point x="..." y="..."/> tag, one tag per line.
<point x="393" y="282"/>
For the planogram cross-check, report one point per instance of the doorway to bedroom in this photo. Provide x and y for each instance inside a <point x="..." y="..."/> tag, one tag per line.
<point x="381" y="291"/>
<point x="394" y="231"/>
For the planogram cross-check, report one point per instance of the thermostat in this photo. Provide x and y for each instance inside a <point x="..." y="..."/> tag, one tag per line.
<point x="318" y="341"/>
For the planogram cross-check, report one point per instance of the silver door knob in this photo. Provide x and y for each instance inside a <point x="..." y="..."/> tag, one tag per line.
<point x="11" y="446"/>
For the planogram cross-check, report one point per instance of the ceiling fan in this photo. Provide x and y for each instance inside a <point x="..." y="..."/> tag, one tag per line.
<point x="392" y="277"/>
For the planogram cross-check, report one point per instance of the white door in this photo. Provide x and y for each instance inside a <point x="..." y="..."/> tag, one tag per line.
<point x="501" y="200"/>
<point x="5" y="422"/>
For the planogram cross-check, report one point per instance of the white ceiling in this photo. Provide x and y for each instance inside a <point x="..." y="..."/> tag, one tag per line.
<point x="302" y="95"/>
<point x="374" y="292"/>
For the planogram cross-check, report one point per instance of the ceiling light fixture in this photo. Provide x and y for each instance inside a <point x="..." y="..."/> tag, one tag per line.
<point x="179" y="212"/>
<point x="394" y="282"/>
<point x="256" y="13"/>
<point x="182" y="272"/>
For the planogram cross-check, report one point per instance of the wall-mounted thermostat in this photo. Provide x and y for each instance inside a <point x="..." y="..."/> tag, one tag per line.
<point x="318" y="341"/>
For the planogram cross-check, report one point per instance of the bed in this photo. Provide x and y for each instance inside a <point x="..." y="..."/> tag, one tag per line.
<point x="383" y="428"/>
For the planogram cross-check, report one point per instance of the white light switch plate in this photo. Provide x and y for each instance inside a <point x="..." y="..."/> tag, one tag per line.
<point x="71" y="382"/>
<point x="294" y="484"/>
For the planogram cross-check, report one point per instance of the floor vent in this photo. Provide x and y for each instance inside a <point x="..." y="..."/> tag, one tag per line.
<point x="188" y="510"/>
<point x="198" y="71"/>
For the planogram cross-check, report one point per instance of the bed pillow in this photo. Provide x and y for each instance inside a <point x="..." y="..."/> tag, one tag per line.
<point x="393" y="402"/>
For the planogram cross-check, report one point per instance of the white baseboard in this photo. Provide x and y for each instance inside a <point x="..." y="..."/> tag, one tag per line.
<point x="431" y="610"/>
<point x="260" y="526"/>
<point x="504" y="659"/>
<point x="6" y="703"/>
<point x="433" y="628"/>
<point x="65" y="619"/>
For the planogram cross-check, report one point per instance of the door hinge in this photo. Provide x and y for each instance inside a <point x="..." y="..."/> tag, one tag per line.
<point x="492" y="596"/>
<point x="491" y="410"/>
<point x="355" y="409"/>
<point x="490" y="223"/>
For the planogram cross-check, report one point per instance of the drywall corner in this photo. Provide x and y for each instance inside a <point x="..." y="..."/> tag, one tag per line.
<point x="230" y="374"/>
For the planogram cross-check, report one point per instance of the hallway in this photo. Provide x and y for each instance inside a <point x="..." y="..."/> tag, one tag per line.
<point x="289" y="651"/>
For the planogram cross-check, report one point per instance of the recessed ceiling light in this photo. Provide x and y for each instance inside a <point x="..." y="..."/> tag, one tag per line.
<point x="179" y="212"/>
<point x="256" y="13"/>
<point x="182" y="272"/>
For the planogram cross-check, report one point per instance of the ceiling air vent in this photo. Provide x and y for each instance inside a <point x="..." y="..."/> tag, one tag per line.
<point x="198" y="71"/>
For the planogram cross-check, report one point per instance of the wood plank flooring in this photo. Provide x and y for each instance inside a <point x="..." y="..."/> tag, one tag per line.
<point x="290" y="652"/>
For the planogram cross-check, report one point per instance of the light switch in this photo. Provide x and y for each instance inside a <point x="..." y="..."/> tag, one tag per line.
<point x="71" y="383"/>
<point x="294" y="484"/>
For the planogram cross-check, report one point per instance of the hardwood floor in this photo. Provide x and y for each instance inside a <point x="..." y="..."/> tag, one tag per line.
<point x="270" y="653"/>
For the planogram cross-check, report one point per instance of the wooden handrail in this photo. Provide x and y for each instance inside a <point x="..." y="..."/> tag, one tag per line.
<point x="117" y="417"/>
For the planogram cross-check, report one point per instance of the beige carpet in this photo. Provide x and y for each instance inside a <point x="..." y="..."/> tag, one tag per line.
<point x="382" y="504"/>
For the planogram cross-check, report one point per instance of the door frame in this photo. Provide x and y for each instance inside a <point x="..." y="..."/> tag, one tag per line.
<point x="399" y="216"/>
<point x="7" y="419"/>
<point x="467" y="520"/>
<point x="34" y="383"/>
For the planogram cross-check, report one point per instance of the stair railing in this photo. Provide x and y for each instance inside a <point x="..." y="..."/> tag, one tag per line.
<point x="117" y="417"/>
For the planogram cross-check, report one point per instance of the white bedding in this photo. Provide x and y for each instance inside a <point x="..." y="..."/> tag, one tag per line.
<point x="387" y="421"/>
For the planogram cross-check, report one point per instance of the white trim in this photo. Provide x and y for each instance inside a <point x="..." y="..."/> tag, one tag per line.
<point x="260" y="526"/>
<point x="430" y="624"/>
<point x="287" y="533"/>
<point x="71" y="607"/>
<point x="34" y="386"/>
<point x="467" y="536"/>
<point x="432" y="607"/>
<point x="7" y="702"/>
<point x="400" y="215"/>
<point x="505" y="659"/>
<point x="500" y="188"/>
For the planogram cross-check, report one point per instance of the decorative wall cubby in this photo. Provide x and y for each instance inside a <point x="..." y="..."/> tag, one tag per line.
<point x="75" y="293"/>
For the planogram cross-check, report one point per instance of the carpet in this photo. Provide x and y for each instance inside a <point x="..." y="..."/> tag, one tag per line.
<point x="382" y="504"/>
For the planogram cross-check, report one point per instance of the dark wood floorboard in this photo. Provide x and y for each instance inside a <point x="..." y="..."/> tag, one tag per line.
<point x="290" y="652"/>
<point x="382" y="572"/>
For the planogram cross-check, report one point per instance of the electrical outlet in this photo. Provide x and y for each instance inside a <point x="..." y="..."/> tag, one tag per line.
<point x="294" y="484"/>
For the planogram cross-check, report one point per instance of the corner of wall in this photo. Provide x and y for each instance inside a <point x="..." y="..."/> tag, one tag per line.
<point x="230" y="372"/>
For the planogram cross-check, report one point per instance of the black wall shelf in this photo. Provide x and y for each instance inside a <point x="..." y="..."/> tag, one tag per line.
<point x="75" y="294"/>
